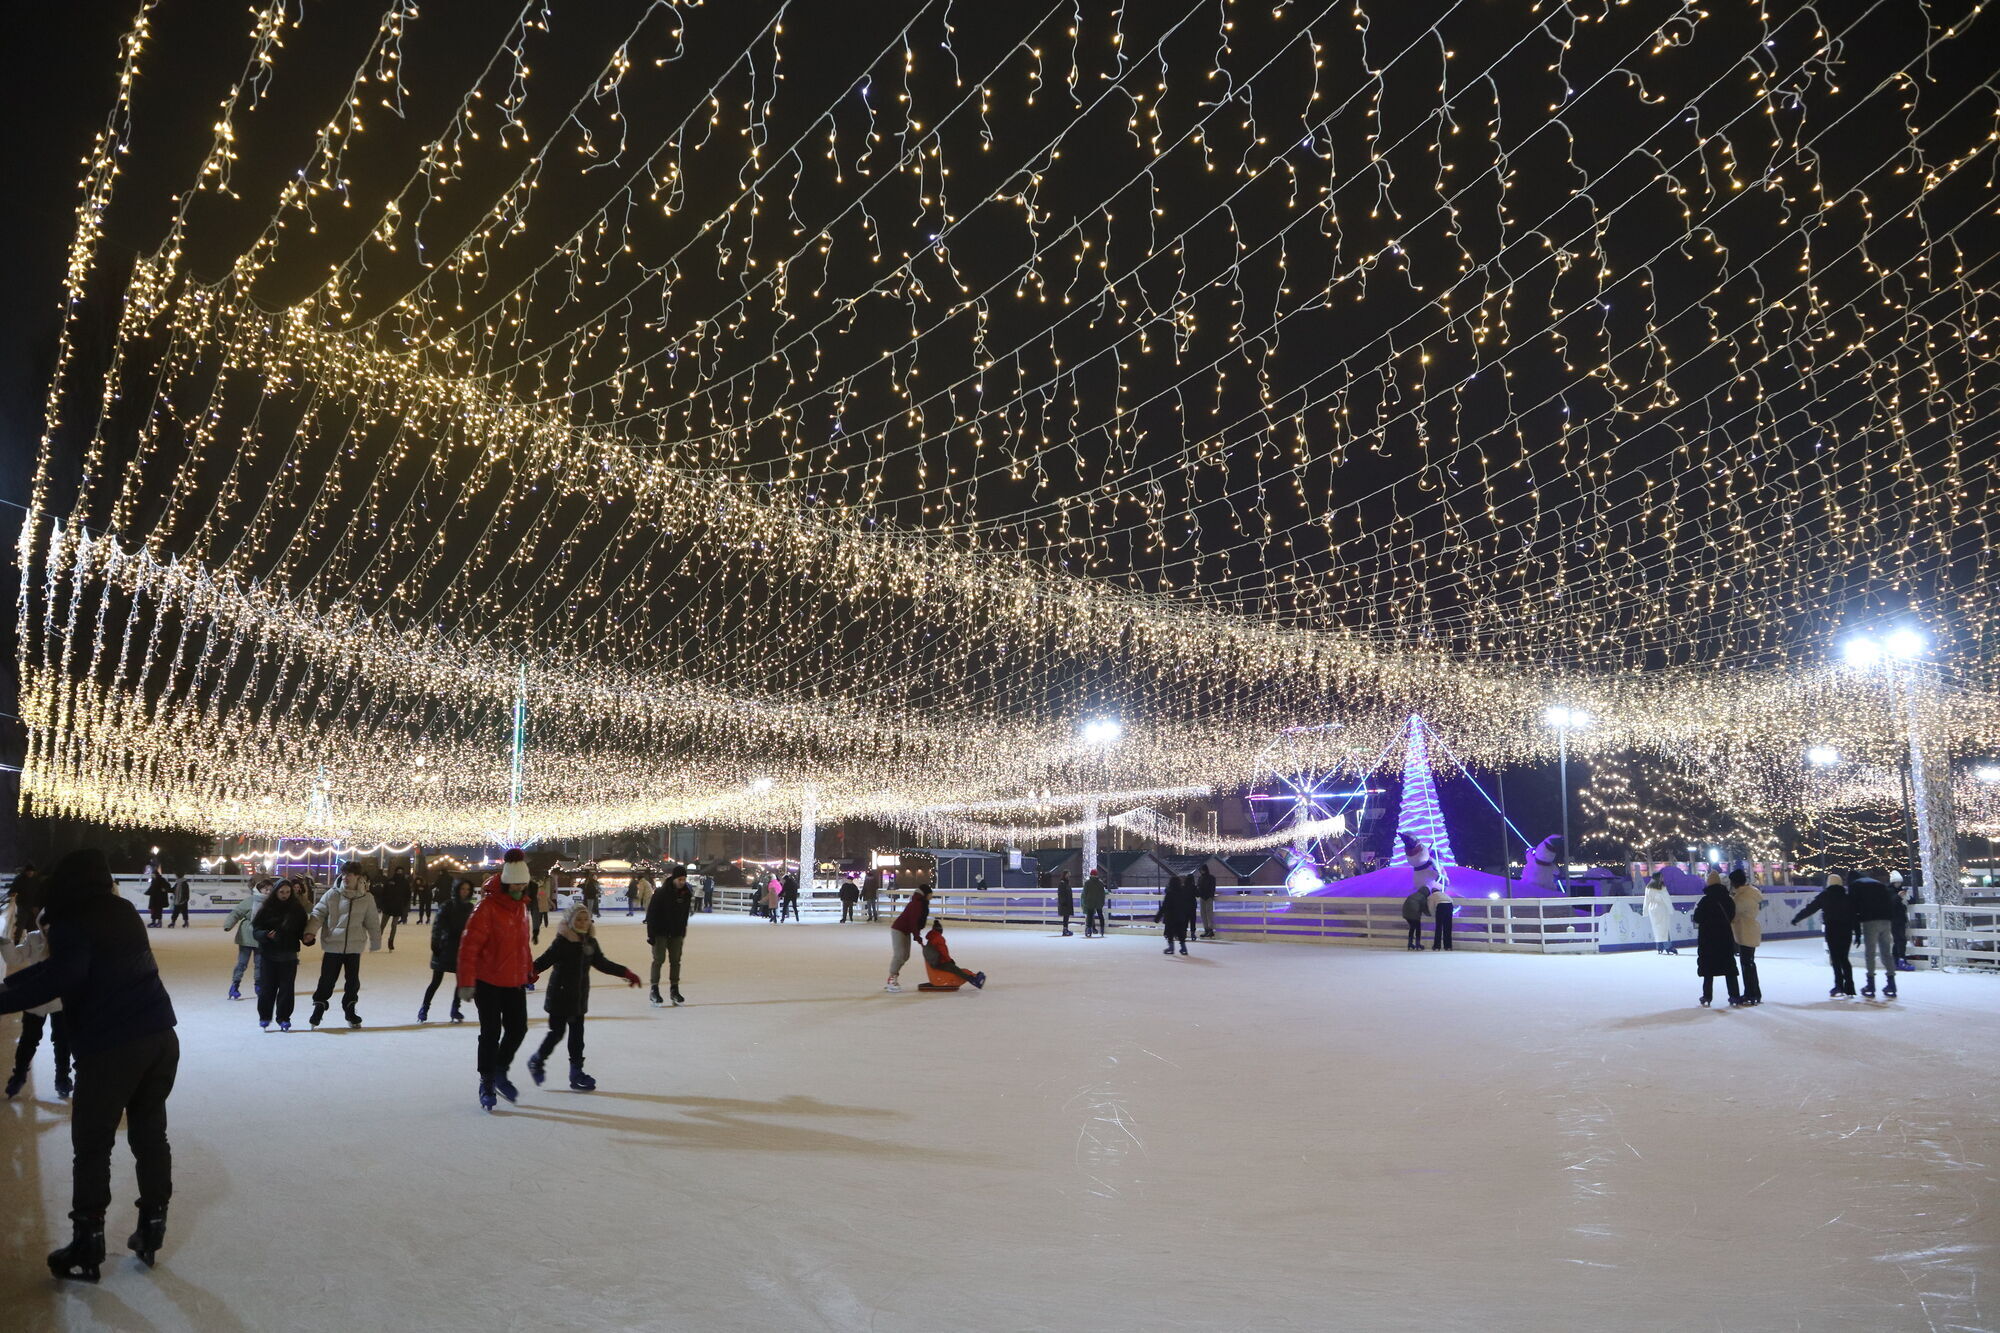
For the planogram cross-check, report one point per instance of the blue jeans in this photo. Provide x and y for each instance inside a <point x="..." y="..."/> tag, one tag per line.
<point x="244" y="955"/>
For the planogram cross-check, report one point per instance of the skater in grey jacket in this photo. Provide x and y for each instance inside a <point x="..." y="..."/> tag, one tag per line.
<point x="342" y="921"/>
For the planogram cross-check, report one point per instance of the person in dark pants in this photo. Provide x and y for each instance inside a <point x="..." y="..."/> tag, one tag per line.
<point x="393" y="897"/>
<point x="1900" y="927"/>
<point x="1748" y="930"/>
<point x="1204" y="896"/>
<point x="871" y="894"/>
<point x="788" y="897"/>
<point x="424" y="897"/>
<point x="183" y="893"/>
<point x="1442" y="907"/>
<point x="1874" y="907"/>
<point x="1836" y="916"/>
<point x="1715" y="941"/>
<point x="279" y="928"/>
<point x="849" y="895"/>
<point x="1065" y="901"/>
<point x="445" y="934"/>
<point x="1416" y="906"/>
<point x="1094" y="894"/>
<point x="1176" y="911"/>
<point x="121" y="1026"/>
<point x="495" y="967"/>
<point x="158" y="891"/>
<point x="666" y="932"/>
<point x="569" y="960"/>
<point x="32" y="948"/>
<point x="344" y="919"/>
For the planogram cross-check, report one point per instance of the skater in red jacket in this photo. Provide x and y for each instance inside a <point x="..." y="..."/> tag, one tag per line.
<point x="495" y="966"/>
<point x="944" y="973"/>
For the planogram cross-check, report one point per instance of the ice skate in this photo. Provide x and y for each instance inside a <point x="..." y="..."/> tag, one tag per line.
<point x="505" y="1086"/>
<point x="654" y="998"/>
<point x="234" y="993"/>
<point x="457" y="1016"/>
<point x="580" y="1081"/>
<point x="979" y="980"/>
<point x="678" y="998"/>
<point x="353" y="1019"/>
<point x="1905" y="965"/>
<point x="892" y="988"/>
<point x="1183" y="950"/>
<point x="1169" y="949"/>
<point x="62" y="1084"/>
<point x="151" y="1234"/>
<point x="1889" y="988"/>
<point x="16" y="1081"/>
<point x="285" y="1025"/>
<point x="319" y="1012"/>
<point x="83" y="1255"/>
<point x="1868" y="991"/>
<point x="1704" y="1002"/>
<point x="264" y="1023"/>
<point x="537" y="1069"/>
<point x="1673" y="953"/>
<point x="486" y="1098"/>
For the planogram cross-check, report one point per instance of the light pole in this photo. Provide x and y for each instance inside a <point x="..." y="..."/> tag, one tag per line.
<point x="1565" y="720"/>
<point x="1100" y="734"/>
<point x="1937" y="824"/>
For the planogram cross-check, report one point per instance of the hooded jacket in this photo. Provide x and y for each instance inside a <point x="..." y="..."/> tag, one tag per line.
<point x="1835" y="912"/>
<point x="1177" y="903"/>
<point x="494" y="947"/>
<point x="915" y="912"/>
<point x="569" y="960"/>
<point x="1065" y="898"/>
<point x="241" y="918"/>
<point x="345" y="921"/>
<point x="279" y="925"/>
<point x="1715" y="940"/>
<point x="99" y="965"/>
<point x="1660" y="911"/>
<point x="447" y="927"/>
<point x="1094" y="892"/>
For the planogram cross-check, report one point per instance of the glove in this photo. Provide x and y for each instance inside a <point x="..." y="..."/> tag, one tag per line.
<point x="464" y="994"/>
<point x="632" y="978"/>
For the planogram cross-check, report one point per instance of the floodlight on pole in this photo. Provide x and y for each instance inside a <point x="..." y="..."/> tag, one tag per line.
<point x="1862" y="651"/>
<point x="1905" y="644"/>
<point x="1823" y="756"/>
<point x="1565" y="720"/>
<point x="1987" y="772"/>
<point x="760" y="784"/>
<point x="1102" y="731"/>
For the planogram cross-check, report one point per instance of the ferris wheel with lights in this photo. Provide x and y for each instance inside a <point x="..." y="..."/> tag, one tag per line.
<point x="1308" y="782"/>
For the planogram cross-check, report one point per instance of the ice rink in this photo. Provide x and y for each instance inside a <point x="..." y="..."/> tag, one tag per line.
<point x="1261" y="1136"/>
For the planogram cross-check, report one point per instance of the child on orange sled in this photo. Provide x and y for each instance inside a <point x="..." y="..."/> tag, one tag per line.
<point x="944" y="973"/>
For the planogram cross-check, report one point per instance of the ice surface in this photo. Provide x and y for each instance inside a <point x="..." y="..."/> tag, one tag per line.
<point x="1261" y="1136"/>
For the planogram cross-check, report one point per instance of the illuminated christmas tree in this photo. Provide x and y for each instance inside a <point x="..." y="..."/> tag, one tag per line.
<point x="1419" y="815"/>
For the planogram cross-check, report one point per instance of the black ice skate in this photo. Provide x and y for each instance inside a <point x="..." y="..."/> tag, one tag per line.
<point x="537" y="1069"/>
<point x="152" y="1232"/>
<point x="580" y="1081"/>
<point x="62" y="1084"/>
<point x="675" y="994"/>
<point x="1868" y="991"/>
<point x="353" y="1019"/>
<point x="1889" y="990"/>
<point x="505" y="1087"/>
<point x="654" y="998"/>
<point x="486" y="1098"/>
<point x="83" y="1255"/>
<point x="319" y="1012"/>
<point x="423" y="1013"/>
<point x="16" y="1081"/>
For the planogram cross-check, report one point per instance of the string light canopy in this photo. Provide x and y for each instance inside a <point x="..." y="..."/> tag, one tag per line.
<point x="744" y="432"/>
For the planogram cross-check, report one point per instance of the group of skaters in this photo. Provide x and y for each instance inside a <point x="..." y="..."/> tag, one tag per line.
<point x="1186" y="910"/>
<point x="1728" y="930"/>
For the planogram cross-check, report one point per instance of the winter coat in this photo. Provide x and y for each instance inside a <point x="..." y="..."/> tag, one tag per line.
<point x="568" y="960"/>
<point x="33" y="948"/>
<point x="1835" y="912"/>
<point x="1177" y="904"/>
<point x="344" y="922"/>
<point x="447" y="927"/>
<point x="1660" y="912"/>
<point x="393" y="896"/>
<point x="25" y="893"/>
<point x="157" y="893"/>
<point x="848" y="893"/>
<point x="915" y="912"/>
<point x="183" y="891"/>
<point x="871" y="888"/>
<point x="1094" y="893"/>
<point x="667" y="914"/>
<point x="1204" y="884"/>
<point x="544" y="895"/>
<point x="1441" y="899"/>
<point x="1749" y="931"/>
<point x="240" y="919"/>
<point x="788" y="889"/>
<point x="101" y="968"/>
<point x="1065" y="898"/>
<point x="279" y="925"/>
<point x="1714" y="941"/>
<point x="494" y="947"/>
<point x="1416" y="906"/>
<point x="1872" y="900"/>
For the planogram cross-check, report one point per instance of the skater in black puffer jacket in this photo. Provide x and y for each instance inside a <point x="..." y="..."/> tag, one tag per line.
<point x="1715" y="940"/>
<point x="568" y="960"/>
<point x="445" y="932"/>
<point x="1836" y="913"/>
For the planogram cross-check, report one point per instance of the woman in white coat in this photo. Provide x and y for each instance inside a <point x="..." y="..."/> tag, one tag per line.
<point x="1660" y="912"/>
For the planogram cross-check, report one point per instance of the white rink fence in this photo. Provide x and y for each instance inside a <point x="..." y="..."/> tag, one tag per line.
<point x="1967" y="936"/>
